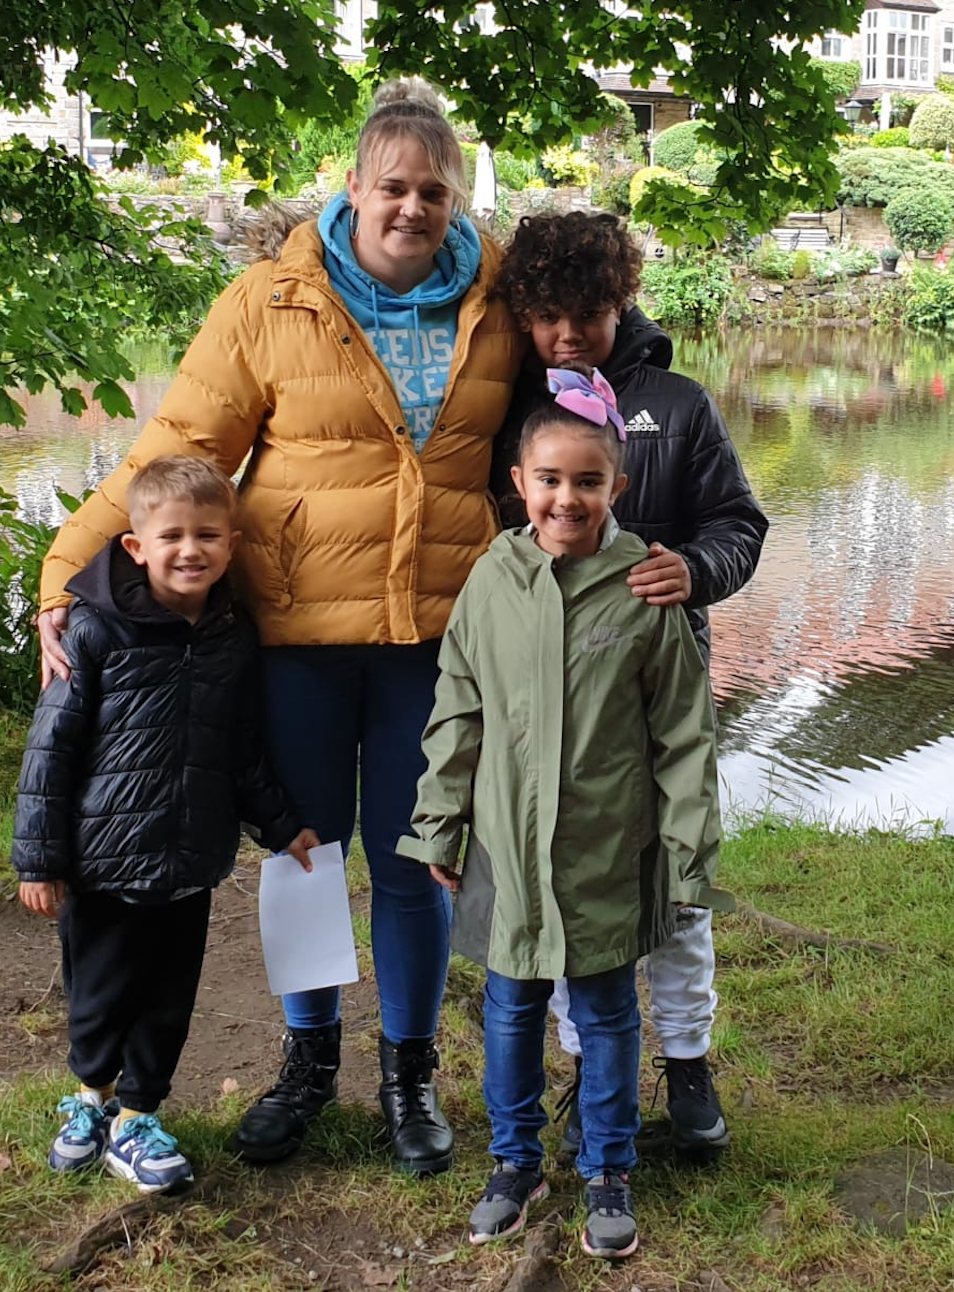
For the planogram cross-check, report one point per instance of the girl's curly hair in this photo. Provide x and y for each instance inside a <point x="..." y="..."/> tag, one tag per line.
<point x="566" y="263"/>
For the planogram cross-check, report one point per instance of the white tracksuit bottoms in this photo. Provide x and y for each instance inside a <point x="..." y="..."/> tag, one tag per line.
<point x="682" y="1000"/>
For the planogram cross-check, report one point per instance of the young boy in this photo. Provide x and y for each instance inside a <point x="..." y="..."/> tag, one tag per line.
<point x="136" y="774"/>
<point x="568" y="281"/>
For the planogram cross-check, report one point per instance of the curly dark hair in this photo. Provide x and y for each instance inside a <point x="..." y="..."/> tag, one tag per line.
<point x="566" y="263"/>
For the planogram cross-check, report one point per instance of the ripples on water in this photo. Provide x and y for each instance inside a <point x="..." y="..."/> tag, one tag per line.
<point x="834" y="668"/>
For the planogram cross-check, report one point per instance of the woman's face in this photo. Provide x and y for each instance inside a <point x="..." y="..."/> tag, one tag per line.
<point x="403" y="214"/>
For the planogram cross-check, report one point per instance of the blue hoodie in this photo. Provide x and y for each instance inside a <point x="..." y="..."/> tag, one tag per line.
<point x="413" y="335"/>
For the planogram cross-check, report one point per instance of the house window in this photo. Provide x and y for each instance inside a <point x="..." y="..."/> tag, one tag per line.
<point x="871" y="45"/>
<point x="484" y="16"/>
<point x="833" y="45"/>
<point x="947" y="46"/>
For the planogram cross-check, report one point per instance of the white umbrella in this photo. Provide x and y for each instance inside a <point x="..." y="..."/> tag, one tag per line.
<point x="484" y="203"/>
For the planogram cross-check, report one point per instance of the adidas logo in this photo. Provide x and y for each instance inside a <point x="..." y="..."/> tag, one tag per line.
<point x="642" y="424"/>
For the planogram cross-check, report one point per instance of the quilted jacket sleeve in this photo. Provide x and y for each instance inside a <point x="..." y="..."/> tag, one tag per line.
<point x="681" y="724"/>
<point x="451" y="745"/>
<point x="728" y="525"/>
<point x="53" y="758"/>
<point x="213" y="409"/>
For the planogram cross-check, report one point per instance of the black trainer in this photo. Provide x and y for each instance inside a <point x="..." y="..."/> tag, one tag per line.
<point x="422" y="1143"/>
<point x="694" y="1109"/>
<point x="274" y="1128"/>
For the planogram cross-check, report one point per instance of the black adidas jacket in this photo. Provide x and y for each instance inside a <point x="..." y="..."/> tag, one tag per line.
<point x="138" y="770"/>
<point x="687" y="489"/>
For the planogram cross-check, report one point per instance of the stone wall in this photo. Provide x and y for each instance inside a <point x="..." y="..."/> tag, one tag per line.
<point x="62" y="123"/>
<point x="848" y="303"/>
<point x="669" y="112"/>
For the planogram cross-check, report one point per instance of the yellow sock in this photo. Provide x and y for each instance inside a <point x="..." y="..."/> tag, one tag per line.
<point x="104" y="1092"/>
<point x="125" y="1113"/>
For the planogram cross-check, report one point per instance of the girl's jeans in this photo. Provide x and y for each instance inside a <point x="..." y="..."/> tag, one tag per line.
<point x="330" y="710"/>
<point x="604" y="1008"/>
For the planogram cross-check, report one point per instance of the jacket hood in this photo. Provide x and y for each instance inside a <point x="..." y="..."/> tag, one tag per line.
<point x="638" y="340"/>
<point x="455" y="269"/>
<point x="114" y="584"/>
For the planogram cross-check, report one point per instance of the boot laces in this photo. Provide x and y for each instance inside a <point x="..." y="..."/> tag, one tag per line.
<point x="686" y="1079"/>
<point x="298" y="1074"/>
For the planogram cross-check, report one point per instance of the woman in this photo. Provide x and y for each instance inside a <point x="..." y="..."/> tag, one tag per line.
<point x="367" y="371"/>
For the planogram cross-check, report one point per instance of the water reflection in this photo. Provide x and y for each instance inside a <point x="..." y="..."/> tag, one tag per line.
<point x="834" y="669"/>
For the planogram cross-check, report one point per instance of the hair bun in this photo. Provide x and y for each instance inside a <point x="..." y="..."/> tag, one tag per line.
<point x="407" y="90"/>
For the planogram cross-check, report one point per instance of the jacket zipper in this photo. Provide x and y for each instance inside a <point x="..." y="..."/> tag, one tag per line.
<point x="183" y="695"/>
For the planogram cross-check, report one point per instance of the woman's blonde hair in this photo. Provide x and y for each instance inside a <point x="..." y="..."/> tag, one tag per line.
<point x="408" y="107"/>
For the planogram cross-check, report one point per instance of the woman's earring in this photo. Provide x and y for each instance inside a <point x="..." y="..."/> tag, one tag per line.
<point x="353" y="222"/>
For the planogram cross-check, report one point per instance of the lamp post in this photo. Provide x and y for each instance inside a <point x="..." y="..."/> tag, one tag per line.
<point x="851" y="111"/>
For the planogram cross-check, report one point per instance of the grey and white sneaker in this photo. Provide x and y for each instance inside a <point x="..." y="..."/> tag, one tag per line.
<point x="81" y="1140"/>
<point x="502" y="1209"/>
<point x="138" y="1149"/>
<point x="610" y="1230"/>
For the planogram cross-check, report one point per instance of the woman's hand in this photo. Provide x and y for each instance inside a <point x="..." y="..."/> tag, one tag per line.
<point x="663" y="578"/>
<point x="446" y="876"/>
<point x="52" y="625"/>
<point x="298" y="848"/>
<point x="43" y="898"/>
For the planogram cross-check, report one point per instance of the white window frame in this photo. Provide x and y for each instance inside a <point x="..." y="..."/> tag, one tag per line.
<point x="835" y="42"/>
<point x="904" y="55"/>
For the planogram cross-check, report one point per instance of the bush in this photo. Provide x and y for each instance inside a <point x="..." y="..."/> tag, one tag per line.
<point x="929" y="303"/>
<point x="611" y="190"/>
<point x="842" y="262"/>
<point x="801" y="265"/>
<point x="770" y="261"/>
<point x="676" y="148"/>
<point x="340" y="140"/>
<point x="842" y="79"/>
<point x="689" y="291"/>
<point x="567" y="167"/>
<point x="932" y="123"/>
<point x="873" y="176"/>
<point x="514" y="172"/>
<point x="645" y="175"/>
<point x="920" y="219"/>
<point x="23" y="545"/>
<point x="896" y="137"/>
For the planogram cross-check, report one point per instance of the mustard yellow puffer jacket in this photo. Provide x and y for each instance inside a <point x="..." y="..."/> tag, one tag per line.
<point x="349" y="535"/>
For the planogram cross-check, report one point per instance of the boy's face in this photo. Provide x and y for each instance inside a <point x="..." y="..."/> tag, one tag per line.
<point x="582" y="336"/>
<point x="185" y="547"/>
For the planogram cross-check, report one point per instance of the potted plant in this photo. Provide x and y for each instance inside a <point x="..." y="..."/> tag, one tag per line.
<point x="889" y="259"/>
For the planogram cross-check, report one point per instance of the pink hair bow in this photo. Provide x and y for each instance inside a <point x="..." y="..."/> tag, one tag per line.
<point x="595" y="400"/>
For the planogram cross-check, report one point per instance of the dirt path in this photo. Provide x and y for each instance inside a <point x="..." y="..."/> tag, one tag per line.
<point x="237" y="1025"/>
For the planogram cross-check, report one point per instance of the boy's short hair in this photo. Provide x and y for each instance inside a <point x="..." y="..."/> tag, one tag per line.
<point x="179" y="477"/>
<point x="561" y="264"/>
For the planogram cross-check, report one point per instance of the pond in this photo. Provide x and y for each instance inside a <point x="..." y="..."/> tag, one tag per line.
<point x="834" y="669"/>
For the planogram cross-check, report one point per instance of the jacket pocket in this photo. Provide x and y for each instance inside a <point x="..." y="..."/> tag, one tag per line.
<point x="290" y="543"/>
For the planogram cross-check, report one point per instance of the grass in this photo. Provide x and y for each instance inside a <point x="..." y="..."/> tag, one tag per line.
<point x="823" y="1057"/>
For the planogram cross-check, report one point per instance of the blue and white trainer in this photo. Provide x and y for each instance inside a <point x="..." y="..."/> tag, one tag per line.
<point x="81" y="1141"/>
<point x="138" y="1149"/>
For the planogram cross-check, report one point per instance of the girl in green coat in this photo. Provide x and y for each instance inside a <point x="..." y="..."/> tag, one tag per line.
<point x="572" y="732"/>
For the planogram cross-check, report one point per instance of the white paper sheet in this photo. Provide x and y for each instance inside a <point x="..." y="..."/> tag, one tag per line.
<point x="305" y="920"/>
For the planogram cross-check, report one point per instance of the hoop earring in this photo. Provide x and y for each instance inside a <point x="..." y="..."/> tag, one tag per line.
<point x="353" y="223"/>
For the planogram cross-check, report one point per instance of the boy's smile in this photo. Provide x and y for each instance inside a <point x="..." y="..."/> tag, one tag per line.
<point x="186" y="548"/>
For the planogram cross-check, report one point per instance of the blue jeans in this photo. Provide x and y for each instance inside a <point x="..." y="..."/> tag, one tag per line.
<point x="604" y="1008"/>
<point x="326" y="708"/>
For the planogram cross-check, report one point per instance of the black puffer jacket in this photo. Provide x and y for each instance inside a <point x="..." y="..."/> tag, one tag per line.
<point x="687" y="489"/>
<point x="138" y="770"/>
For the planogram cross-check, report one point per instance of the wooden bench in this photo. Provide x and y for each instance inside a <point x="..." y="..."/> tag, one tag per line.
<point x="801" y="239"/>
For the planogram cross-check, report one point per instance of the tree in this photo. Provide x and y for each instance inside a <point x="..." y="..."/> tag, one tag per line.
<point x="920" y="219"/>
<point x="249" y="73"/>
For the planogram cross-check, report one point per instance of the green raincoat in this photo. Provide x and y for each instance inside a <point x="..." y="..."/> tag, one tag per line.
<point x="573" y="732"/>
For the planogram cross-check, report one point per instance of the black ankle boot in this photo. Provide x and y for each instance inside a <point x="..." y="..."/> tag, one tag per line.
<point x="422" y="1143"/>
<point x="275" y="1127"/>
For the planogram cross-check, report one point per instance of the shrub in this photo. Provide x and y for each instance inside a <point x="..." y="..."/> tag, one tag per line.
<point x="514" y="172"/>
<point x="676" y="148"/>
<point x="23" y="545"/>
<point x="929" y="299"/>
<point x="801" y="265"/>
<point x="873" y="176"/>
<point x="842" y="79"/>
<point x="770" y="261"/>
<point x="689" y="291"/>
<point x="842" y="262"/>
<point x="340" y="140"/>
<point x="896" y="137"/>
<point x="920" y="219"/>
<point x="611" y="190"/>
<point x="566" y="166"/>
<point x="932" y="122"/>
<point x="644" y="176"/>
